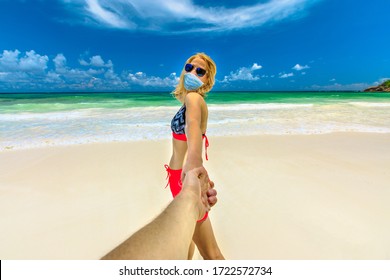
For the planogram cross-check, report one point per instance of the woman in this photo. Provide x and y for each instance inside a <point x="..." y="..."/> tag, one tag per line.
<point x="188" y="130"/>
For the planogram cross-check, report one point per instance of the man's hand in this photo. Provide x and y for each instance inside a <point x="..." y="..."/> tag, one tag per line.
<point x="197" y="181"/>
<point x="190" y="165"/>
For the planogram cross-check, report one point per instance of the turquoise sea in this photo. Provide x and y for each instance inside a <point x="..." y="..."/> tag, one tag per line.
<point x="45" y="119"/>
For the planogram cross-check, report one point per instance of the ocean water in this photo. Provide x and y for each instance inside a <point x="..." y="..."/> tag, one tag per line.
<point x="48" y="119"/>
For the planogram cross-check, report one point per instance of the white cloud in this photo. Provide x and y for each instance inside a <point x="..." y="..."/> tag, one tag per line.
<point x="283" y="76"/>
<point x="243" y="74"/>
<point x="184" y="15"/>
<point x="105" y="15"/>
<point x="341" y="87"/>
<point x="96" y="61"/>
<point x="346" y="87"/>
<point x="71" y="75"/>
<point x="382" y="80"/>
<point x="255" y="66"/>
<point x="59" y="61"/>
<point x="33" y="62"/>
<point x="142" y="79"/>
<point x="300" y="67"/>
<point x="11" y="61"/>
<point x="35" y="72"/>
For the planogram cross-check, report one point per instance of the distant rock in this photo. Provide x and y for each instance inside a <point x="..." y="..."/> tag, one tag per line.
<point x="384" y="87"/>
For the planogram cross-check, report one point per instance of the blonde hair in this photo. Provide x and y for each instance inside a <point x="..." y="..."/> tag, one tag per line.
<point x="211" y="70"/>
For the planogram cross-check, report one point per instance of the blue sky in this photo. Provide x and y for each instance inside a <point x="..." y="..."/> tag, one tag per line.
<point x="141" y="45"/>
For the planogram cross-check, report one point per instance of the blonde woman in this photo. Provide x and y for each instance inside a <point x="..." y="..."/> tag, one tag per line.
<point x="188" y="131"/>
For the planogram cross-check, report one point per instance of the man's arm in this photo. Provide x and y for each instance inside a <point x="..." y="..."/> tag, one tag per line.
<point x="170" y="234"/>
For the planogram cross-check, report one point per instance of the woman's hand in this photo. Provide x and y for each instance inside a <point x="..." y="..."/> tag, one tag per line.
<point x="212" y="194"/>
<point x="189" y="165"/>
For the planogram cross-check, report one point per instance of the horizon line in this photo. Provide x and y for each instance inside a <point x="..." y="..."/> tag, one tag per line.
<point x="90" y="92"/>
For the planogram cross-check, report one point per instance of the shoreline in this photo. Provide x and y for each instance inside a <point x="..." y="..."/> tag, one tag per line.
<point x="51" y="145"/>
<point x="319" y="196"/>
<point x="62" y="120"/>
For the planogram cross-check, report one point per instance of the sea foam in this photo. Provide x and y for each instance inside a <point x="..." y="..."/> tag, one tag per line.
<point x="98" y="125"/>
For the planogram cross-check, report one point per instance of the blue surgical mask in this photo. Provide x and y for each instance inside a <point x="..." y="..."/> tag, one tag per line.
<point x="192" y="82"/>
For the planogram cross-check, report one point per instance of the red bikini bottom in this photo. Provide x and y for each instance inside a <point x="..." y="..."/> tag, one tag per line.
<point x="175" y="184"/>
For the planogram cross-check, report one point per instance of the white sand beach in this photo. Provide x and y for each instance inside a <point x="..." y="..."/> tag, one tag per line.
<point x="280" y="197"/>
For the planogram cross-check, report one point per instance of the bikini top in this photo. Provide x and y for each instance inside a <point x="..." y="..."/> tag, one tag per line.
<point x="178" y="122"/>
<point x="178" y="125"/>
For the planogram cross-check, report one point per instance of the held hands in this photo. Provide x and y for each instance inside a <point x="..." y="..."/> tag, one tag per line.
<point x="191" y="164"/>
<point x="198" y="182"/>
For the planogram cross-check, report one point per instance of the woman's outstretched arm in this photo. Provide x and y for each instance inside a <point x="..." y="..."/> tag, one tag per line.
<point x="194" y="103"/>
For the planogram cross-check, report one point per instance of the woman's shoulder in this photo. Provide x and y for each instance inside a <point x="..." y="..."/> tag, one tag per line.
<point x="194" y="98"/>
